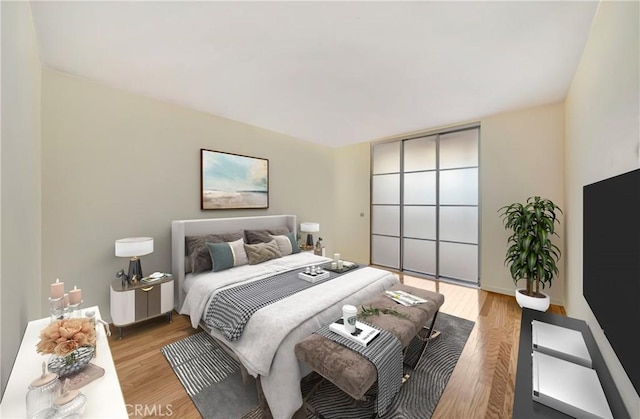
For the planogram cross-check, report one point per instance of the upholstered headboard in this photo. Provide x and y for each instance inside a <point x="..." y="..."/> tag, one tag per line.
<point x="183" y="228"/>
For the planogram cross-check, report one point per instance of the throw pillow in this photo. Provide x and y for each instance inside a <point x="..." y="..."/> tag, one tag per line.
<point x="227" y="255"/>
<point x="198" y="253"/>
<point x="287" y="244"/>
<point x="295" y="248"/>
<point x="262" y="252"/>
<point x="263" y="236"/>
<point x="284" y="245"/>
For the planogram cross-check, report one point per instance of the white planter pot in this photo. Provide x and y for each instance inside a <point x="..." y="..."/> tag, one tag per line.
<point x="534" y="303"/>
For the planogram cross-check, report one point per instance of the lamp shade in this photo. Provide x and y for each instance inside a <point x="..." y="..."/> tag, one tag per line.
<point x="134" y="246"/>
<point x="309" y="227"/>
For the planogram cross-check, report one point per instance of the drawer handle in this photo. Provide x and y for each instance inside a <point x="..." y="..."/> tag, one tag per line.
<point x="147" y="289"/>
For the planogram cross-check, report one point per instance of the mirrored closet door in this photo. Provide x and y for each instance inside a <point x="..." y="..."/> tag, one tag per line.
<point x="424" y="205"/>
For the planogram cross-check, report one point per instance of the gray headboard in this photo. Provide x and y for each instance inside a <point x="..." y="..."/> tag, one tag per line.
<point x="182" y="228"/>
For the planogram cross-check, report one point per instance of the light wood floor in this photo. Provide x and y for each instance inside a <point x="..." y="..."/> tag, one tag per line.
<point x="481" y="386"/>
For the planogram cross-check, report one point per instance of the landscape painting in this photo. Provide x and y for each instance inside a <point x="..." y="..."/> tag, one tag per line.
<point x="233" y="181"/>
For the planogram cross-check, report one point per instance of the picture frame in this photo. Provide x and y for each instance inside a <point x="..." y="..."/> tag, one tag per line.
<point x="233" y="181"/>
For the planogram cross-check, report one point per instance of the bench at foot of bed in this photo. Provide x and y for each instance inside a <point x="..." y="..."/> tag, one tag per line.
<point x="350" y="371"/>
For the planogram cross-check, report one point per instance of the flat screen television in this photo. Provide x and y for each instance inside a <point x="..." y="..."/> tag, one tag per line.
<point x="611" y="264"/>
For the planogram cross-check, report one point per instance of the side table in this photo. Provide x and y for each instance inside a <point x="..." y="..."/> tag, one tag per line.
<point x="140" y="301"/>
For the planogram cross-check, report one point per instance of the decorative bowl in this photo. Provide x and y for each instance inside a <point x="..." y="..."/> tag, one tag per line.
<point x="72" y="363"/>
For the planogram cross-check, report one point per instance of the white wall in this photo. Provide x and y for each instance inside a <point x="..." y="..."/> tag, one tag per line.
<point x="20" y="176"/>
<point x="602" y="140"/>
<point x="521" y="155"/>
<point x="351" y="210"/>
<point x="116" y="165"/>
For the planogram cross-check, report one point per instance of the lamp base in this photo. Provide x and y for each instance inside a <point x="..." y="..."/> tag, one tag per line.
<point x="309" y="239"/>
<point x="135" y="270"/>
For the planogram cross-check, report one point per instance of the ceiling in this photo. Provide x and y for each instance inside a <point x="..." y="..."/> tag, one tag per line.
<point x="334" y="73"/>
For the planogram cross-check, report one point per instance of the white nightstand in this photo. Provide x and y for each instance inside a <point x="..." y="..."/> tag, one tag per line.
<point x="140" y="301"/>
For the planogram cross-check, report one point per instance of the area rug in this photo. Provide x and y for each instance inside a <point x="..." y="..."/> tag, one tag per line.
<point x="213" y="379"/>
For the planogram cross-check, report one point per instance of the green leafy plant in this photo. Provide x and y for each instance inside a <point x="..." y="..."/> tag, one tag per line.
<point x="531" y="254"/>
<point x="373" y="311"/>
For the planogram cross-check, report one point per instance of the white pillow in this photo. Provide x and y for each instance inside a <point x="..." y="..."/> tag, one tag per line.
<point x="284" y="244"/>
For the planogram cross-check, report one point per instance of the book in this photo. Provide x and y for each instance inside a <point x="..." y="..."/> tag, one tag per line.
<point x="404" y="298"/>
<point x="156" y="276"/>
<point x="86" y="375"/>
<point x="560" y="342"/>
<point x="568" y="387"/>
<point x="363" y="335"/>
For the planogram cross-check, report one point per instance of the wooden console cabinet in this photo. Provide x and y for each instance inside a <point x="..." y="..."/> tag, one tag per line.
<point x="523" y="404"/>
<point x="140" y="301"/>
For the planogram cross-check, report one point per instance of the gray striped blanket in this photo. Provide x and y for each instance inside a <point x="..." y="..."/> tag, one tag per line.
<point x="229" y="310"/>
<point x="385" y="352"/>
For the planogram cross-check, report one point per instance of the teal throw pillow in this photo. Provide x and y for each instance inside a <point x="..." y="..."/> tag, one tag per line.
<point x="295" y="248"/>
<point x="227" y="255"/>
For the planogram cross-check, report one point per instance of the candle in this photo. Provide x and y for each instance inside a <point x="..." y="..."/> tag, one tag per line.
<point x="339" y="264"/>
<point x="75" y="296"/>
<point x="334" y="265"/>
<point x="57" y="289"/>
<point x="336" y="257"/>
<point x="66" y="299"/>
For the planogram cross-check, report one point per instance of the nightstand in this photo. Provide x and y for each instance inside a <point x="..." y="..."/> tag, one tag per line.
<point x="140" y="301"/>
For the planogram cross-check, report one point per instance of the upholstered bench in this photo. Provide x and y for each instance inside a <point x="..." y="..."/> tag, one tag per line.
<point x="350" y="371"/>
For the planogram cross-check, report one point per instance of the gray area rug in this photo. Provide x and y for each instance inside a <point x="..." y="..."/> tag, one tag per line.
<point x="213" y="379"/>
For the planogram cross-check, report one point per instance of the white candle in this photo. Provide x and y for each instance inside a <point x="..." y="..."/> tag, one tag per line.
<point x="57" y="289"/>
<point x="339" y="264"/>
<point x="75" y="295"/>
<point x="336" y="257"/>
<point x="334" y="265"/>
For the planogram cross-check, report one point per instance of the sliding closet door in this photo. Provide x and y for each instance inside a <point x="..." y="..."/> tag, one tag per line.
<point x="425" y="205"/>
<point x="385" y="205"/>
<point x="419" y="233"/>
<point x="458" y="205"/>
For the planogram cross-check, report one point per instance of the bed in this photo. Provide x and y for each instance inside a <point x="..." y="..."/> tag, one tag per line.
<point x="276" y="327"/>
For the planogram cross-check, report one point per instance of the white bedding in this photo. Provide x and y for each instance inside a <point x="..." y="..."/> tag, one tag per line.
<point x="266" y="347"/>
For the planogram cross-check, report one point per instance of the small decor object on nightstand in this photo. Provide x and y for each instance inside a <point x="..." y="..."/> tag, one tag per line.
<point x="319" y="249"/>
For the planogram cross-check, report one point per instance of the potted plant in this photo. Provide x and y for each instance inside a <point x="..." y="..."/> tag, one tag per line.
<point x="532" y="255"/>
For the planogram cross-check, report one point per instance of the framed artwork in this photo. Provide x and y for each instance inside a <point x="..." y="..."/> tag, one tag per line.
<point x="233" y="181"/>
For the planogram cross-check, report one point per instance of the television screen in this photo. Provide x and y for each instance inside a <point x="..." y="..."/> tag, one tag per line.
<point x="611" y="263"/>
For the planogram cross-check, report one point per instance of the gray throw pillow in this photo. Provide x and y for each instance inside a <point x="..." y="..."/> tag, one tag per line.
<point x="264" y="235"/>
<point x="198" y="253"/>
<point x="262" y="252"/>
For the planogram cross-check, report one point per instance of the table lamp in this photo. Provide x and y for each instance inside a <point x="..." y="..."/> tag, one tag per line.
<point x="309" y="228"/>
<point x="134" y="247"/>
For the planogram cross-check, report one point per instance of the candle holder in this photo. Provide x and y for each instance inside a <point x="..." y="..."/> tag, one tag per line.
<point x="57" y="308"/>
<point x="74" y="309"/>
